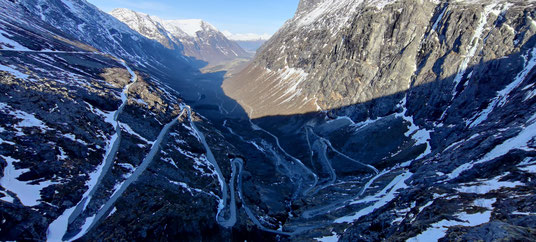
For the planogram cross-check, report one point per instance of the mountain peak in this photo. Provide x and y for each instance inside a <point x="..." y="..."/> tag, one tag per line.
<point x="181" y="27"/>
<point x="246" y="37"/>
<point x="191" y="26"/>
<point x="198" y="38"/>
<point x="307" y="5"/>
<point x="124" y="11"/>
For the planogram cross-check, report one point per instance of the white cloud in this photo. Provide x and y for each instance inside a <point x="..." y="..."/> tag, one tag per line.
<point x="246" y="37"/>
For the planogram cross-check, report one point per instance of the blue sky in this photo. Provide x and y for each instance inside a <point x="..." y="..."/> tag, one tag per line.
<point x="236" y="16"/>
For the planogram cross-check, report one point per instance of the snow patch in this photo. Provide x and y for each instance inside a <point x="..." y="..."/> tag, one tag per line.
<point x="529" y="169"/>
<point x="246" y="37"/>
<point x="112" y="212"/>
<point x="523" y="213"/>
<point x="502" y="96"/>
<point x="332" y="238"/>
<point x="518" y="142"/>
<point x="127" y="166"/>
<point x="531" y="94"/>
<point x="190" y="26"/>
<point x="72" y="137"/>
<point x="191" y="190"/>
<point x="330" y="8"/>
<point x="6" y="142"/>
<point x="27" y="120"/>
<point x="484" y="187"/>
<point x="8" y="44"/>
<point x="6" y="197"/>
<point x="170" y="161"/>
<point x="474" y="43"/>
<point x="289" y="80"/>
<point x="439" y="18"/>
<point x="420" y="135"/>
<point x="439" y="230"/>
<point x="58" y="227"/>
<point x="385" y="196"/>
<point x="129" y="130"/>
<point x="14" y="72"/>
<point x="62" y="155"/>
<point x="28" y="194"/>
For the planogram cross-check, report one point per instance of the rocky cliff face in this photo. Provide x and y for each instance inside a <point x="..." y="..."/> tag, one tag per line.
<point x="338" y="53"/>
<point x="195" y="37"/>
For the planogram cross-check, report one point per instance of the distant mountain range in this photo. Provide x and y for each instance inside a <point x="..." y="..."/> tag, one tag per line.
<point x="249" y="42"/>
<point x="195" y="37"/>
<point x="251" y="45"/>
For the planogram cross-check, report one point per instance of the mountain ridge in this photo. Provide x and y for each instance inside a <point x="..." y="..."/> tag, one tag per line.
<point x="197" y="38"/>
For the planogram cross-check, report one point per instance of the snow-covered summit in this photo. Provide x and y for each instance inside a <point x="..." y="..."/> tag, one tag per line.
<point x="246" y="37"/>
<point x="150" y="26"/>
<point x="199" y="38"/>
<point x="177" y="27"/>
<point x="190" y="26"/>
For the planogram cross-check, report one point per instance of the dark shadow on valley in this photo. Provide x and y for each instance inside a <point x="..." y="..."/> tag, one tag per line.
<point x="272" y="187"/>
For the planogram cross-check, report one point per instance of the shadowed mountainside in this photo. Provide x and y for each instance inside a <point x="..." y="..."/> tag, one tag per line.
<point x="419" y="152"/>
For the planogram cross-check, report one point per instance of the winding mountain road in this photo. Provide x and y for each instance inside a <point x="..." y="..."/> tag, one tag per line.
<point x="58" y="228"/>
<point x="304" y="169"/>
<point x="229" y="222"/>
<point x="132" y="178"/>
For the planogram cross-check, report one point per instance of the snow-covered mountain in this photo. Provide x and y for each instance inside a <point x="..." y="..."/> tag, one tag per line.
<point x="361" y="120"/>
<point x="317" y="60"/>
<point x="249" y="42"/>
<point x="85" y="23"/>
<point x="246" y="37"/>
<point x="196" y="37"/>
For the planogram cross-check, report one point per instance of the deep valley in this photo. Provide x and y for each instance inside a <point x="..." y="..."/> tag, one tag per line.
<point x="359" y="120"/>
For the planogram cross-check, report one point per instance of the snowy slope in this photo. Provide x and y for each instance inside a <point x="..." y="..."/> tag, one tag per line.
<point x="94" y="147"/>
<point x="87" y="24"/>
